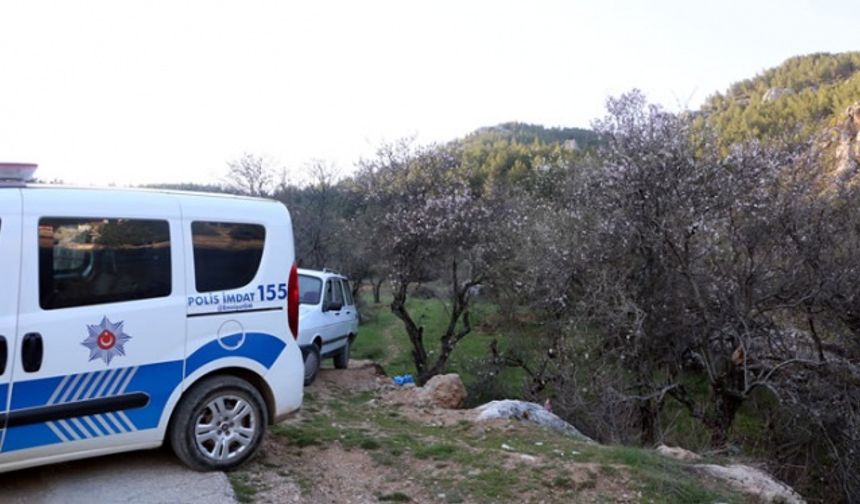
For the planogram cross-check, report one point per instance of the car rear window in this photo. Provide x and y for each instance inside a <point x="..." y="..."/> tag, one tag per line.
<point x="310" y="289"/>
<point x="226" y="255"/>
<point x="90" y="261"/>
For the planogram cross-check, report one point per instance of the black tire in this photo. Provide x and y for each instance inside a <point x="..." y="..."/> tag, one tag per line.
<point x="241" y="435"/>
<point x="341" y="358"/>
<point x="312" y="364"/>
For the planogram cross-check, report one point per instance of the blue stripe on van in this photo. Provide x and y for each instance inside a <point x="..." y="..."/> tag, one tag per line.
<point x="156" y="380"/>
<point x="4" y="389"/>
<point x="261" y="347"/>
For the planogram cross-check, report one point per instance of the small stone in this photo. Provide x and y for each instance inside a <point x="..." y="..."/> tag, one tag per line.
<point x="507" y="447"/>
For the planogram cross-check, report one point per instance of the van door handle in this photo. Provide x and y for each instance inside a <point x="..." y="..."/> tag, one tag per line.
<point x="31" y="352"/>
<point x="4" y="354"/>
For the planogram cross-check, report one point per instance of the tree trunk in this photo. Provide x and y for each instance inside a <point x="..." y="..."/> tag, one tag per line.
<point x="359" y="301"/>
<point x="448" y="343"/>
<point x="459" y="309"/>
<point x="415" y="332"/>
<point x="647" y="423"/>
<point x="356" y="287"/>
<point x="648" y="409"/>
<point x="726" y="406"/>
<point x="377" y="286"/>
<point x="451" y="336"/>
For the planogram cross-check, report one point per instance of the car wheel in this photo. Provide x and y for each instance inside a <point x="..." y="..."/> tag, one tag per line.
<point x="312" y="364"/>
<point x="341" y="358"/>
<point x="219" y="424"/>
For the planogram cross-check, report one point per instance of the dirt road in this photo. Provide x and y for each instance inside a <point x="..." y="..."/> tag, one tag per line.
<point x="154" y="476"/>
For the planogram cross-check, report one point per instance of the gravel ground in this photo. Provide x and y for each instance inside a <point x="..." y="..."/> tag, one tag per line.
<point x="154" y="476"/>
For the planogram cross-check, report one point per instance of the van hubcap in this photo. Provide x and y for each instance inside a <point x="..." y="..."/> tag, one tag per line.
<point x="225" y="428"/>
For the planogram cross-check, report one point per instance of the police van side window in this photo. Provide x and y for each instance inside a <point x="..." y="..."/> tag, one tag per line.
<point x="94" y="261"/>
<point x="226" y="255"/>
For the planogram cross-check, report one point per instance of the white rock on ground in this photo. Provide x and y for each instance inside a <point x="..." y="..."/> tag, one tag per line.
<point x="528" y="412"/>
<point x="678" y="453"/>
<point x="752" y="481"/>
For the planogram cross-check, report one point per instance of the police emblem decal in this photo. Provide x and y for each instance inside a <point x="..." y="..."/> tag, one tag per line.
<point x="106" y="340"/>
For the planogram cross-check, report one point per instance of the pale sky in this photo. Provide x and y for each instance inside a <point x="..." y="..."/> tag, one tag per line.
<point x="133" y="91"/>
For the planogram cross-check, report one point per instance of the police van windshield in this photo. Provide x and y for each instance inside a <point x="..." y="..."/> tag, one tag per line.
<point x="309" y="289"/>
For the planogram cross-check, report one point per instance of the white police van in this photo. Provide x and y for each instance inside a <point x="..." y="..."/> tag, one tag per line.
<point x="132" y="317"/>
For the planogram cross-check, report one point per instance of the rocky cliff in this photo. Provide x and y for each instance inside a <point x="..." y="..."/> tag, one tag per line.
<point x="848" y="149"/>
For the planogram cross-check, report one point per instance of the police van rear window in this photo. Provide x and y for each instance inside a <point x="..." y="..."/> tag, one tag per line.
<point x="226" y="255"/>
<point x="86" y="261"/>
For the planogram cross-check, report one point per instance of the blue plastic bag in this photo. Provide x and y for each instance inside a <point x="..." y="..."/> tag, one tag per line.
<point x="403" y="379"/>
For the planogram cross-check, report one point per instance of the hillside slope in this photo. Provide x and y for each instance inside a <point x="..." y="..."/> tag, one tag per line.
<point x="356" y="440"/>
<point x="804" y="94"/>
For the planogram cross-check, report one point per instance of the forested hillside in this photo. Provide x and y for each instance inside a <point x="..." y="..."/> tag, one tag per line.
<point x="803" y="95"/>
<point x="534" y="133"/>
<point x="514" y="152"/>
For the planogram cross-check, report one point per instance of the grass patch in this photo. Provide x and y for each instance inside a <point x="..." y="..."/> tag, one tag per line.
<point x="242" y="488"/>
<point x="563" y="481"/>
<point x="369" y="444"/>
<point x="634" y="457"/>
<point x="358" y="439"/>
<point x="436" y="452"/>
<point x="494" y="484"/>
<point x="297" y="436"/>
<point x="395" y="497"/>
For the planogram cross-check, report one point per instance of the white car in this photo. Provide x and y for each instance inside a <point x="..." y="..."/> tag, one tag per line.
<point x="132" y="317"/>
<point x="328" y="319"/>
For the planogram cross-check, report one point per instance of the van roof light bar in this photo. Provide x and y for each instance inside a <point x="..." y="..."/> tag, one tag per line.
<point x="16" y="174"/>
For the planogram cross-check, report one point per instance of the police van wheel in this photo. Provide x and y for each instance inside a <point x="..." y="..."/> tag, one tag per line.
<point x="341" y="358"/>
<point x="219" y="424"/>
<point x="312" y="364"/>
